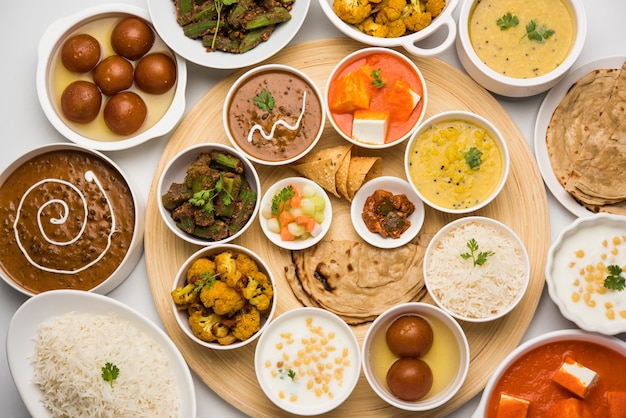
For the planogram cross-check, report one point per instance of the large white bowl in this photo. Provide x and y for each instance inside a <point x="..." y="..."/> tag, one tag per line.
<point x="22" y="332"/>
<point x="517" y="87"/>
<point x="163" y="15"/>
<point x="539" y="341"/>
<point x="563" y="266"/>
<point x="425" y="43"/>
<point x="52" y="40"/>
<point x="135" y="248"/>
<point x="441" y="322"/>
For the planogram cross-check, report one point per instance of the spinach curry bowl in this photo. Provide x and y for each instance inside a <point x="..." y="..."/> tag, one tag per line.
<point x="274" y="114"/>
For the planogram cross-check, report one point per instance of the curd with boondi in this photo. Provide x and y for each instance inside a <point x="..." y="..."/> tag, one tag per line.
<point x="521" y="38"/>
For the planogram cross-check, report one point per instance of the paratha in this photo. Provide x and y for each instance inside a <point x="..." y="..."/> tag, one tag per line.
<point x="355" y="280"/>
<point x="586" y="140"/>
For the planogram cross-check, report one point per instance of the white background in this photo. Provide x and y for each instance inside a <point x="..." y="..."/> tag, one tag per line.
<point x="23" y="126"/>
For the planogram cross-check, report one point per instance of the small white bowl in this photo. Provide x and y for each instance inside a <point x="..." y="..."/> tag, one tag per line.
<point x="396" y="186"/>
<point x="448" y="358"/>
<point x="96" y="135"/>
<point x="439" y="282"/>
<point x="266" y="203"/>
<point x="175" y="172"/>
<point x="510" y="86"/>
<point x="586" y="242"/>
<point x="548" y="339"/>
<point x="23" y="328"/>
<point x="417" y="44"/>
<point x="164" y="17"/>
<point x="182" y="316"/>
<point x="302" y="78"/>
<point x="283" y="341"/>
<point x="52" y="245"/>
<point x="362" y="55"/>
<point x="476" y="120"/>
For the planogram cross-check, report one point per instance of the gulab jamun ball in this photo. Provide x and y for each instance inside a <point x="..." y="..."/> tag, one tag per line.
<point x="409" y="379"/>
<point x="132" y="38"/>
<point x="80" y="53"/>
<point x="113" y="74"/>
<point x="81" y="101"/>
<point x="155" y="73"/>
<point x="125" y="112"/>
<point x="409" y="336"/>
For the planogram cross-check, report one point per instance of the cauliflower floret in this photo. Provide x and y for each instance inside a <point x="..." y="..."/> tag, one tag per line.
<point x="200" y="268"/>
<point x="370" y="27"/>
<point x="434" y="7"/>
<point x="416" y="21"/>
<point x="245" y="264"/>
<point x="185" y="295"/>
<point x="390" y="10"/>
<point x="210" y="328"/>
<point x="352" y="11"/>
<point x="223" y="299"/>
<point x="226" y="267"/>
<point x="248" y="321"/>
<point x="259" y="291"/>
<point x="395" y="28"/>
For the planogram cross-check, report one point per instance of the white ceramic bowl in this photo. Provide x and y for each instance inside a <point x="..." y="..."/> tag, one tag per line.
<point x="175" y="172"/>
<point x="164" y="17"/>
<point x="510" y="86"/>
<point x="22" y="331"/>
<point x="428" y="42"/>
<point x="276" y="358"/>
<point x="95" y="134"/>
<point x="227" y="112"/>
<point x="583" y="244"/>
<point x="396" y="186"/>
<point x="456" y="236"/>
<point x="448" y="358"/>
<point x="266" y="203"/>
<point x="477" y="120"/>
<point x="182" y="316"/>
<point x="363" y="54"/>
<point x="70" y="244"/>
<point x="537" y="342"/>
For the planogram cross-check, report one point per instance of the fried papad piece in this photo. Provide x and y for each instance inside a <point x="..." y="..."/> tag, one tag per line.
<point x="355" y="280"/>
<point x="341" y="177"/>
<point x="321" y="166"/>
<point x="361" y="170"/>
<point x="598" y="176"/>
<point x="572" y="120"/>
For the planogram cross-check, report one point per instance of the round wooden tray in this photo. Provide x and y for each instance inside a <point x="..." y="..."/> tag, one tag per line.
<point x="522" y="205"/>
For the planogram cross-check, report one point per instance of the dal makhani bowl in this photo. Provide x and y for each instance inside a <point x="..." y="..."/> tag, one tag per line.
<point x="72" y="221"/>
<point x="457" y="162"/>
<point x="273" y="114"/>
<point x="376" y="98"/>
<point x="517" y="48"/>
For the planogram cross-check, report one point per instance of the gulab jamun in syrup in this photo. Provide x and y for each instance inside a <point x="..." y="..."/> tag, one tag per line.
<point x="113" y="74"/>
<point x="132" y="38"/>
<point x="125" y="112"/>
<point x="409" y="336"/>
<point x="155" y="73"/>
<point x="80" y="53"/>
<point x="81" y="101"/>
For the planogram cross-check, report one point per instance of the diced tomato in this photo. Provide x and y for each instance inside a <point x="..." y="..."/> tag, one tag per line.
<point x="285" y="235"/>
<point x="285" y="217"/>
<point x="296" y="200"/>
<point x="310" y="225"/>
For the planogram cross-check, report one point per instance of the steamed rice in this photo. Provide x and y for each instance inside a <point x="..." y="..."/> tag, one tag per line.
<point x="70" y="351"/>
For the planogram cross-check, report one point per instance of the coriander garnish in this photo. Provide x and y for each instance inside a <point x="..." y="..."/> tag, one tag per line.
<point x="281" y="197"/>
<point x="264" y="100"/>
<point x="615" y="280"/>
<point x="473" y="158"/>
<point x="377" y="80"/>
<point x="536" y="32"/>
<point x="478" y="259"/>
<point x="507" y="21"/>
<point x="110" y="373"/>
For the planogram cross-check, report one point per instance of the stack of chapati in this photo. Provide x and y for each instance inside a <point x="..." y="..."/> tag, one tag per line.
<point x="586" y="140"/>
<point x="355" y="280"/>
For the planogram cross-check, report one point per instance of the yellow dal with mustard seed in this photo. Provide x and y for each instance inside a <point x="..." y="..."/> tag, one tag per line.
<point x="439" y="169"/>
<point x="510" y="52"/>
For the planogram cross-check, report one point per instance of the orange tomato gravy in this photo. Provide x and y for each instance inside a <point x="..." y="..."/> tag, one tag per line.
<point x="530" y="377"/>
<point x="392" y="69"/>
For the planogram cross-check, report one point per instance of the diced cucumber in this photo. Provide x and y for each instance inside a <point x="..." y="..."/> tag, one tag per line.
<point x="319" y="217"/>
<point x="273" y="225"/>
<point x="266" y="211"/>
<point x="308" y="206"/>
<point x="295" y="229"/>
<point x="320" y="203"/>
<point x="308" y="190"/>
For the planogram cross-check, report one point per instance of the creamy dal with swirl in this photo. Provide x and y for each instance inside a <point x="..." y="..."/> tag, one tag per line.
<point x="502" y="38"/>
<point x="68" y="221"/>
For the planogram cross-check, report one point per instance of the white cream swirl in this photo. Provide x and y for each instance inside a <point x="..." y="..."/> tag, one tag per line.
<point x="280" y="122"/>
<point x="91" y="178"/>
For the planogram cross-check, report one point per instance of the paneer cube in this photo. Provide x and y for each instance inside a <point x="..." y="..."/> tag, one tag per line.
<point x="569" y="408"/>
<point x="350" y="93"/>
<point x="402" y="100"/>
<point x="617" y="404"/>
<point x="575" y="377"/>
<point x="512" y="407"/>
<point x="370" y="127"/>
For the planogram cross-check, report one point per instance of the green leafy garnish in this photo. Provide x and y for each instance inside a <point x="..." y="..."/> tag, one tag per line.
<point x="507" y="21"/>
<point x="377" y="80"/>
<point x="206" y="280"/>
<point x="473" y="158"/>
<point x="264" y="100"/>
<point x="205" y="198"/>
<point x="218" y="8"/>
<point x="110" y="372"/>
<point x="292" y="374"/>
<point x="537" y="33"/>
<point x="281" y="197"/>
<point x="478" y="259"/>
<point x="615" y="280"/>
